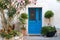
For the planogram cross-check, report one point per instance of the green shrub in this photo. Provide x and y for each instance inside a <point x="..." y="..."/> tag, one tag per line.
<point x="46" y="29"/>
<point x="24" y="16"/>
<point x="8" y="35"/>
<point x="11" y="12"/>
<point x="48" y="14"/>
<point x="22" y="20"/>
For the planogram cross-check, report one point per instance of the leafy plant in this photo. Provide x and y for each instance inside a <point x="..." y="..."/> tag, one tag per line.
<point x="23" y="28"/>
<point x="11" y="12"/>
<point x="24" y="16"/>
<point x="4" y="4"/>
<point x="26" y="2"/>
<point x="9" y="33"/>
<point x="13" y="8"/>
<point x="22" y="19"/>
<point x="46" y="29"/>
<point x="48" y="15"/>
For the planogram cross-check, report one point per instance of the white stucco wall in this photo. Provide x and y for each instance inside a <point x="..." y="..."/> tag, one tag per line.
<point x="53" y="5"/>
<point x="48" y="5"/>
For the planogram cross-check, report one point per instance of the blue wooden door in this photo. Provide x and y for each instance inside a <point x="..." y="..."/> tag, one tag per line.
<point x="34" y="20"/>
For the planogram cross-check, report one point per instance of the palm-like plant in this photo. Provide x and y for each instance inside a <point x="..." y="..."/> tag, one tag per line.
<point x="13" y="9"/>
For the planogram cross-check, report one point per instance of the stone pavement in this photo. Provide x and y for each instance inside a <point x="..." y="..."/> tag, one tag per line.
<point x="41" y="38"/>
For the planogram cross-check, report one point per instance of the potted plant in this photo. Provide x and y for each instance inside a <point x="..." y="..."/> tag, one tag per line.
<point x="23" y="31"/>
<point x="48" y="31"/>
<point x="22" y="19"/>
<point x="48" y="15"/>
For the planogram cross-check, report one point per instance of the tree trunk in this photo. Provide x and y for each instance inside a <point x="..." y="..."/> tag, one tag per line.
<point x="4" y="22"/>
<point x="49" y="22"/>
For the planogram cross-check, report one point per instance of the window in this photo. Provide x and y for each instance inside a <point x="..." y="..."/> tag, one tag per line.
<point x="32" y="14"/>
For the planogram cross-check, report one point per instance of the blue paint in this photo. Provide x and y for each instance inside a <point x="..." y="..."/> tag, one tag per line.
<point x="34" y="26"/>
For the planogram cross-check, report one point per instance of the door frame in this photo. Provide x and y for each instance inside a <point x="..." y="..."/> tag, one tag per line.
<point x="28" y="20"/>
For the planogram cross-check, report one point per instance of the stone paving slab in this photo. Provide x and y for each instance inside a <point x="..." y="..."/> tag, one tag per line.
<point x="41" y="38"/>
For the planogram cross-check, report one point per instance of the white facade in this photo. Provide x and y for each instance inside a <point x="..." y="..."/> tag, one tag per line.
<point x="53" y="5"/>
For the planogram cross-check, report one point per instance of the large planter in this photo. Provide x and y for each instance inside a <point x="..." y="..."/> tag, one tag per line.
<point x="50" y="34"/>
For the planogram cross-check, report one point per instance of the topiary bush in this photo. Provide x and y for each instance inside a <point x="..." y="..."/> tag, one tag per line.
<point x="24" y="16"/>
<point x="49" y="14"/>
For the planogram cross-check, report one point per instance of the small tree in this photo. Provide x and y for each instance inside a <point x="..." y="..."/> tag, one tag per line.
<point x="22" y="19"/>
<point x="48" y="15"/>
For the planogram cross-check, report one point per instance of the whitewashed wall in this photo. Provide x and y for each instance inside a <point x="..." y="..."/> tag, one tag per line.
<point x="53" y="5"/>
<point x="47" y="5"/>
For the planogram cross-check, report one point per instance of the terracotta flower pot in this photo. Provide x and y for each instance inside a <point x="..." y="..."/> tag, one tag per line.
<point x="24" y="32"/>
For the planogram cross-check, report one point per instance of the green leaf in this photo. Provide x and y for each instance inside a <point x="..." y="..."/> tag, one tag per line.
<point x="26" y="2"/>
<point x="4" y="3"/>
<point x="11" y="11"/>
<point x="24" y="16"/>
<point x="22" y="21"/>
